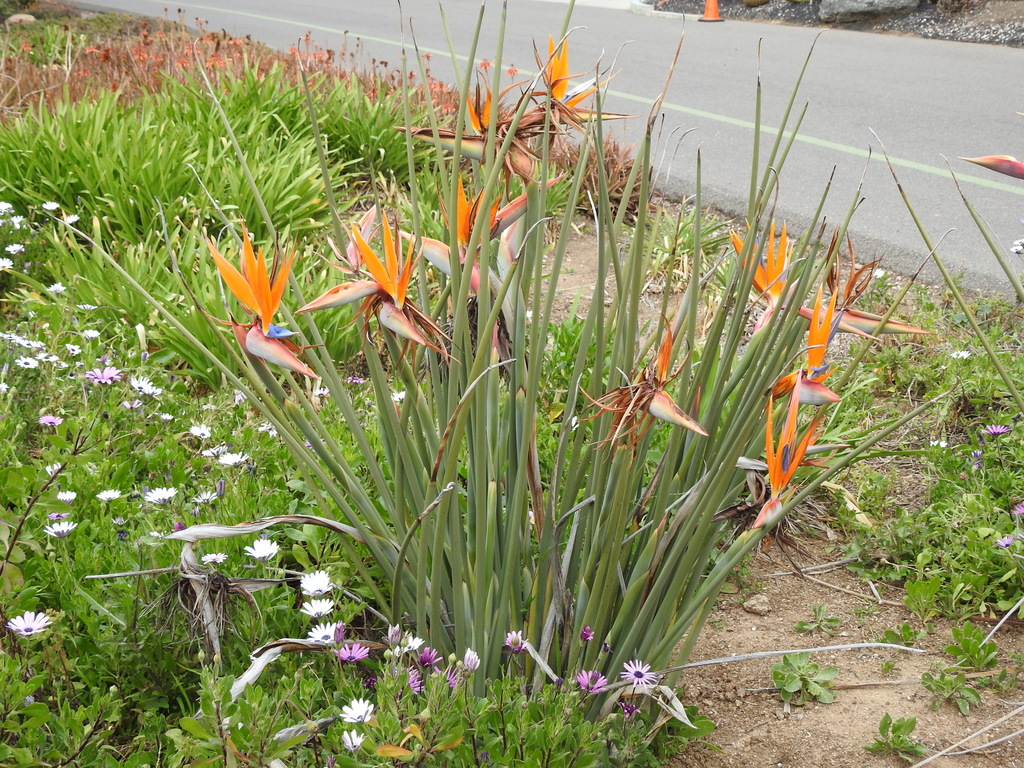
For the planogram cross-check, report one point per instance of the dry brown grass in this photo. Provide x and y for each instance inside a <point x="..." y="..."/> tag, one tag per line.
<point x="43" y="64"/>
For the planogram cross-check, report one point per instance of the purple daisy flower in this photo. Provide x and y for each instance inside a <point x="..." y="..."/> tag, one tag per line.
<point x="514" y="642"/>
<point x="453" y="675"/>
<point x="106" y="375"/>
<point x="586" y="634"/>
<point x="638" y="673"/>
<point x="1017" y="509"/>
<point x="351" y="653"/>
<point x="1005" y="542"/>
<point x="415" y="680"/>
<point x="628" y="710"/>
<point x="429" y="657"/>
<point x="50" y="421"/>
<point x="592" y="681"/>
<point x="995" y="430"/>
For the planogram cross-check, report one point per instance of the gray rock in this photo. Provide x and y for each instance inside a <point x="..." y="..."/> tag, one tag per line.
<point x="859" y="10"/>
<point x="758" y="605"/>
<point x="20" y="18"/>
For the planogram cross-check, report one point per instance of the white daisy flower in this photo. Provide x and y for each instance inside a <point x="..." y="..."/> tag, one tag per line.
<point x="233" y="459"/>
<point x="397" y="397"/>
<point x="145" y="386"/>
<point x="73" y="349"/>
<point x="50" y="206"/>
<point x="160" y="495"/>
<point x="322" y="633"/>
<point x="15" y="248"/>
<point x="109" y="495"/>
<point x="213" y="557"/>
<point x="86" y="307"/>
<point x="317" y="608"/>
<point x="26" y="362"/>
<point x="6" y="264"/>
<point x="67" y="497"/>
<point x="359" y="711"/>
<point x="51" y="469"/>
<point x="316" y="583"/>
<point x="6" y="208"/>
<point x="960" y="354"/>
<point x="213" y="453"/>
<point x="29" y="623"/>
<point x="57" y="288"/>
<point x="61" y="529"/>
<point x="200" y="430"/>
<point x="263" y="549"/>
<point x="90" y="333"/>
<point x="165" y="417"/>
<point x="205" y="497"/>
<point x="70" y="218"/>
<point x="352" y="740"/>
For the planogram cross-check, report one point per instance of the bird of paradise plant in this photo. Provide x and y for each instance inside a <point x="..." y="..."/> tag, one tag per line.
<point x="497" y="223"/>
<point x="784" y="460"/>
<point x="566" y="104"/>
<point x="770" y="280"/>
<point x="770" y="272"/>
<point x="385" y="294"/>
<point x="635" y="406"/>
<point x="260" y="293"/>
<point x="850" y="319"/>
<point x="1004" y="164"/>
<point x="823" y="326"/>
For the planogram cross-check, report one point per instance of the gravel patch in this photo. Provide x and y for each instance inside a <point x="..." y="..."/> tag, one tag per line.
<point x="997" y="22"/>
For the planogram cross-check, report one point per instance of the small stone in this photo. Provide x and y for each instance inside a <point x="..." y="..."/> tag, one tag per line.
<point x="758" y="605"/>
<point x="20" y="18"/>
<point x="859" y="10"/>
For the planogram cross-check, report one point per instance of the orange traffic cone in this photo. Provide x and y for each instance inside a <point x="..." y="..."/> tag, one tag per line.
<point x="711" y="11"/>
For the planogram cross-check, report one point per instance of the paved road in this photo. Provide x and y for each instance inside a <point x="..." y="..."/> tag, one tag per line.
<point x="925" y="99"/>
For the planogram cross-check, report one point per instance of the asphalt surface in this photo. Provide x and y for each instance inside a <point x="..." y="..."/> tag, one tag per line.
<point x="928" y="101"/>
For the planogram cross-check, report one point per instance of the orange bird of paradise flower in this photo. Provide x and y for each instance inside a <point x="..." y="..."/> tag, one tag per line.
<point x="823" y="326"/>
<point x="384" y="294"/>
<point x="783" y="460"/>
<point x="260" y="293"/>
<point x="1004" y="164"/>
<point x="770" y="281"/>
<point x="636" y="406"/>
<point x="498" y="221"/>
<point x="770" y="272"/>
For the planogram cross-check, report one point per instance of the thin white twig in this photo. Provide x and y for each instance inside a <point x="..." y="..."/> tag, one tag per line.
<point x="964" y="740"/>
<point x="1002" y="621"/>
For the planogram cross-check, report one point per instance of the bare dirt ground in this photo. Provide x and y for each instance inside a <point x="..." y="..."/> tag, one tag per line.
<point x="754" y="728"/>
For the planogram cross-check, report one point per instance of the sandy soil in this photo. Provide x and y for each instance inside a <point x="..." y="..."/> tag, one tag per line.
<point x="755" y="728"/>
